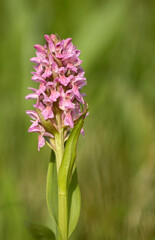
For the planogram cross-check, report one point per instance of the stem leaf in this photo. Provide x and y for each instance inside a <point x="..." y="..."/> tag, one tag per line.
<point x="40" y="232"/>
<point x="52" y="188"/>
<point x="66" y="167"/>
<point x="74" y="203"/>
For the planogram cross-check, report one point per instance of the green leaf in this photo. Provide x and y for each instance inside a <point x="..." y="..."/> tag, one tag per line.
<point x="69" y="156"/>
<point x="40" y="232"/>
<point x="52" y="188"/>
<point x="74" y="203"/>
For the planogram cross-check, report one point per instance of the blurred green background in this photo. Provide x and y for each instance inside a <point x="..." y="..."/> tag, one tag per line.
<point x="116" y="160"/>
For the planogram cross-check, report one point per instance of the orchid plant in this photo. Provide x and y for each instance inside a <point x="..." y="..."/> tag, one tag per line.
<point x="58" y="118"/>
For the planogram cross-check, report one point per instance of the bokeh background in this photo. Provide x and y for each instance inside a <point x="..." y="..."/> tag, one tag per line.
<point x="116" y="160"/>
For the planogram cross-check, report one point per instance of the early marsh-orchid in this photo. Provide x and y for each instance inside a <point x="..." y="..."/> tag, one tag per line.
<point x="58" y="118"/>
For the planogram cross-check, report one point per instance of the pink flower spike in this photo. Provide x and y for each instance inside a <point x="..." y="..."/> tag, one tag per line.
<point x="60" y="78"/>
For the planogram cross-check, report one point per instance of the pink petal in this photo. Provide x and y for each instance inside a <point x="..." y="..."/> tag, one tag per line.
<point x="38" y="79"/>
<point x="69" y="47"/>
<point x="81" y="71"/>
<point x="50" y="84"/>
<point x="51" y="60"/>
<point x="40" y="106"/>
<point x="69" y="56"/>
<point x="47" y="100"/>
<point x="39" y="69"/>
<point x="32" y="114"/>
<point x="39" y="48"/>
<point x="59" y="46"/>
<point x="78" y="62"/>
<point x="66" y="104"/>
<point x="46" y="134"/>
<point x="71" y="67"/>
<point x="50" y="43"/>
<point x="34" y="127"/>
<point x="82" y="132"/>
<point x="35" y="60"/>
<point x="47" y="73"/>
<point x="64" y="80"/>
<point x="47" y="37"/>
<point x="55" y="67"/>
<point x="62" y="70"/>
<point x="41" y="55"/>
<point x="33" y="89"/>
<point x="42" y="88"/>
<point x="67" y="41"/>
<point x="68" y="121"/>
<point x="76" y="111"/>
<point x="51" y="46"/>
<point x="53" y="37"/>
<point x="31" y="96"/>
<point x="45" y="61"/>
<point x="77" y="94"/>
<point x="77" y="52"/>
<point x="47" y="113"/>
<point x="59" y="55"/>
<point x="54" y="95"/>
<point x="41" y="142"/>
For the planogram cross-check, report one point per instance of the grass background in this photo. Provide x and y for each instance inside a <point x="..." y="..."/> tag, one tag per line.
<point x="116" y="160"/>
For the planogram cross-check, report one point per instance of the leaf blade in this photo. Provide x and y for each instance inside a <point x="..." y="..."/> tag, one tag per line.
<point x="40" y="232"/>
<point x="52" y="188"/>
<point x="69" y="156"/>
<point x="74" y="203"/>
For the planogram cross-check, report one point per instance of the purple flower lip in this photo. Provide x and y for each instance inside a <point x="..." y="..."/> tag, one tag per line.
<point x="60" y="79"/>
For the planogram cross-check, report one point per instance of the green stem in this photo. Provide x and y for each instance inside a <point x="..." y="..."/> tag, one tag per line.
<point x="59" y="143"/>
<point x="62" y="215"/>
<point x="62" y="195"/>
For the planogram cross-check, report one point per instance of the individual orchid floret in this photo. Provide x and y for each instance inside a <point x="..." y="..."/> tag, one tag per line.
<point x="59" y="95"/>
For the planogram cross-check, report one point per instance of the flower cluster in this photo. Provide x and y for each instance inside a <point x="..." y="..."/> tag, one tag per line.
<point x="61" y="79"/>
